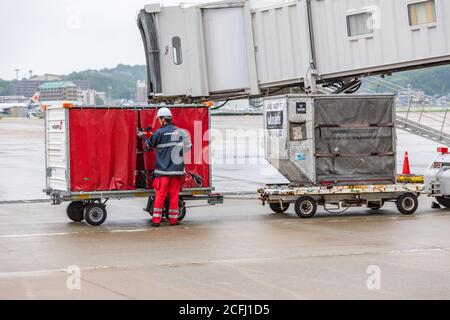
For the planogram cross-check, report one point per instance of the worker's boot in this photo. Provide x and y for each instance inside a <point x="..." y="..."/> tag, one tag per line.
<point x="156" y="225"/>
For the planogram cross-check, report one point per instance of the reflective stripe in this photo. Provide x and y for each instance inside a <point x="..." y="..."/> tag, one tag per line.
<point x="168" y="145"/>
<point x="157" y="210"/>
<point x="173" y="216"/>
<point x="157" y="215"/>
<point x="170" y="173"/>
<point x="174" y="210"/>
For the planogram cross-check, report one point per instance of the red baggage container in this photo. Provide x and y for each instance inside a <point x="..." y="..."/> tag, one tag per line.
<point x="93" y="153"/>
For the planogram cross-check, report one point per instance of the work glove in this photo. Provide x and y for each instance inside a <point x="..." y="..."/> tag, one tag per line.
<point x="140" y="133"/>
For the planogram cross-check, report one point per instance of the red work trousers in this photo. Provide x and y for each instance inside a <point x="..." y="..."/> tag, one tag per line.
<point x="164" y="186"/>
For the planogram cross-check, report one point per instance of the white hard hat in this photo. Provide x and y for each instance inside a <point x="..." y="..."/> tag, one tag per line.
<point x="164" y="113"/>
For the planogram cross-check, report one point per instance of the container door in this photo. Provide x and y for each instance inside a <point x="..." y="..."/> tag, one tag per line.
<point x="103" y="149"/>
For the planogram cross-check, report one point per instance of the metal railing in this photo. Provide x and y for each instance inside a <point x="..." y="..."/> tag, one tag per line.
<point x="421" y="114"/>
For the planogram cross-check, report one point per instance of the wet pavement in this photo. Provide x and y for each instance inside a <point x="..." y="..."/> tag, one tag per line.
<point x="239" y="250"/>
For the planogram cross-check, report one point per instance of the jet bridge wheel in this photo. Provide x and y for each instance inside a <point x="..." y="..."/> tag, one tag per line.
<point x="443" y="201"/>
<point x="305" y="207"/>
<point x="407" y="203"/>
<point x="278" y="208"/>
<point x="75" y="211"/>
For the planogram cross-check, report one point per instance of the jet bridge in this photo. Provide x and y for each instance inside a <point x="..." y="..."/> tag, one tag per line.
<point x="236" y="49"/>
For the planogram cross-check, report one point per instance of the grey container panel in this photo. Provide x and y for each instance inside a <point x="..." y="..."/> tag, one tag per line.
<point x="357" y="109"/>
<point x="348" y="144"/>
<point x="289" y="170"/>
<point x="354" y="140"/>
<point x="360" y="170"/>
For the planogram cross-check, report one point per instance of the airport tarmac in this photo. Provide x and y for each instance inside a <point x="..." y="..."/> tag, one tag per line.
<point x="238" y="250"/>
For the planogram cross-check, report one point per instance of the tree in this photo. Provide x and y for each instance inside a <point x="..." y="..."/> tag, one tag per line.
<point x="99" y="101"/>
<point x="4" y="87"/>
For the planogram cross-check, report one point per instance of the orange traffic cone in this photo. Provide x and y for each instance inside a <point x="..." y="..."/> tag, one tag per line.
<point x="406" y="170"/>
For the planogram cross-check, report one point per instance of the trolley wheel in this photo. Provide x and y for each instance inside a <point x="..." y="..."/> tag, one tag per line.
<point x="182" y="213"/>
<point x="407" y="203"/>
<point x="305" y="207"/>
<point x="444" y="201"/>
<point x="181" y="205"/>
<point x="375" y="207"/>
<point x="75" y="211"/>
<point x="150" y="205"/>
<point x="95" y="214"/>
<point x="276" y="207"/>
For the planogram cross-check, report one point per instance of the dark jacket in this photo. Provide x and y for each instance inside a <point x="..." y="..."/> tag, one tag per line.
<point x="171" y="143"/>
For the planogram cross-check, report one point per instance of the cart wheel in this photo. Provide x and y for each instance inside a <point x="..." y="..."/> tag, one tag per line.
<point x="375" y="207"/>
<point x="95" y="214"/>
<point x="444" y="201"/>
<point x="182" y="213"/>
<point x="407" y="203"/>
<point x="276" y="207"/>
<point x="75" y="211"/>
<point x="150" y="205"/>
<point x="305" y="207"/>
<point x="181" y="204"/>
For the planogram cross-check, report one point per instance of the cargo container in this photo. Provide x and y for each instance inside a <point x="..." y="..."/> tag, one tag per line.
<point x="332" y="139"/>
<point x="233" y="48"/>
<point x="93" y="154"/>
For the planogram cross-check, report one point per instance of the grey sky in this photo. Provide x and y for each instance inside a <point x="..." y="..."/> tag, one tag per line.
<point x="45" y="36"/>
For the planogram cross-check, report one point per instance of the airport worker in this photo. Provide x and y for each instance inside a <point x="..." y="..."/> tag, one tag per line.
<point x="171" y="143"/>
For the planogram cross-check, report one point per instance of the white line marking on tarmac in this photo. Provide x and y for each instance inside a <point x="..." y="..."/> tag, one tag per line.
<point x="103" y="231"/>
<point x="34" y="273"/>
<point x="37" y="235"/>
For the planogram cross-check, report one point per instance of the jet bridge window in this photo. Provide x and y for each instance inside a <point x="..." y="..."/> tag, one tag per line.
<point x="359" y="24"/>
<point x="176" y="49"/>
<point x="423" y="12"/>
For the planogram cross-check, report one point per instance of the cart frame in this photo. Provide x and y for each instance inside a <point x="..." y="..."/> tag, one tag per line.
<point x="280" y="196"/>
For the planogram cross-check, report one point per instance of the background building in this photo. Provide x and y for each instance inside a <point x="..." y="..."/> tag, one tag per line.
<point x="28" y="87"/>
<point x="59" y="91"/>
<point x="141" y="91"/>
<point x="88" y="97"/>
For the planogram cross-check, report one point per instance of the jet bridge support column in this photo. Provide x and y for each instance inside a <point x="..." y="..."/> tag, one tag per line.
<point x="312" y="73"/>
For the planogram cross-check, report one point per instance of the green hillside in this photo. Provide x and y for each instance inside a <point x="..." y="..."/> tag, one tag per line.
<point x="433" y="81"/>
<point x="122" y="79"/>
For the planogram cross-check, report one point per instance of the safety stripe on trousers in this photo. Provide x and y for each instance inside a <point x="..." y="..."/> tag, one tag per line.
<point x="157" y="213"/>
